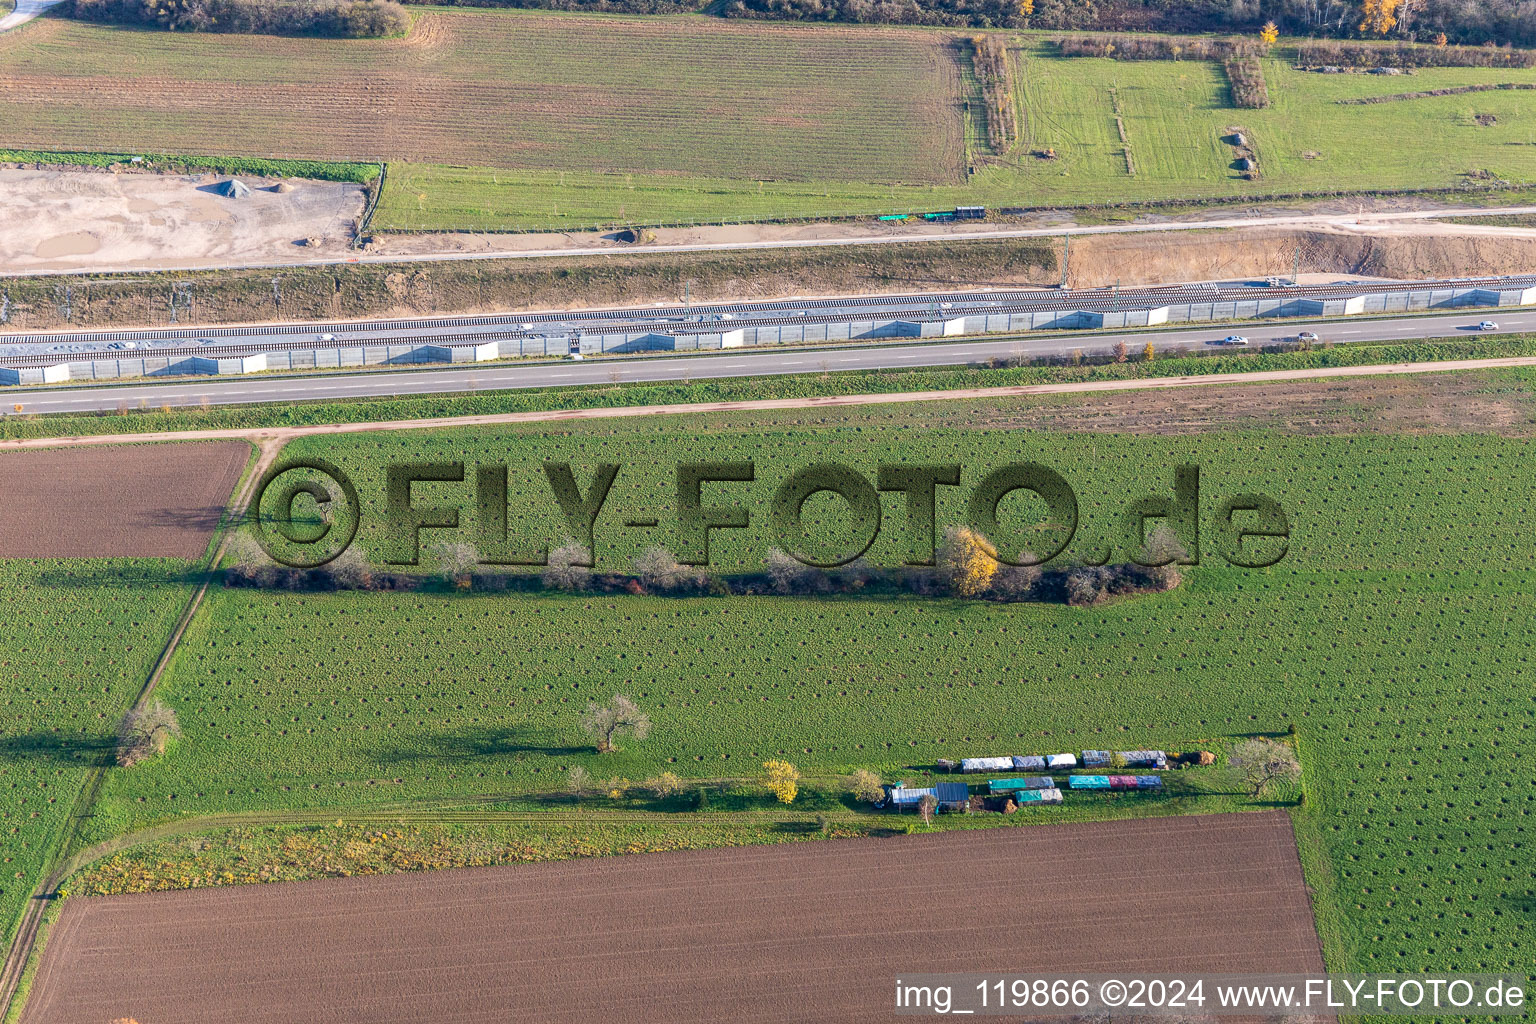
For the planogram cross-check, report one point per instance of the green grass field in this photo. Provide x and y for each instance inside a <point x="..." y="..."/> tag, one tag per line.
<point x="1175" y="114"/>
<point x="80" y="638"/>
<point x="1392" y="637"/>
<point x="504" y="120"/>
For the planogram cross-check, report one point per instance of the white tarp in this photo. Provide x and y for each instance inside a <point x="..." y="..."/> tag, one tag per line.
<point x="986" y="764"/>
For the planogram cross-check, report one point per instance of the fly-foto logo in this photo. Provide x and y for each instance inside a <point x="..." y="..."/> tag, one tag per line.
<point x="307" y="512"/>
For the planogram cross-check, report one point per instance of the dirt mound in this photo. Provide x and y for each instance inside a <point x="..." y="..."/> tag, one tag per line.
<point x="1172" y="257"/>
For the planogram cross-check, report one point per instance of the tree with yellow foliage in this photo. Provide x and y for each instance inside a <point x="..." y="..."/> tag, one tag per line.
<point x="1441" y="39"/>
<point x="783" y="779"/>
<point x="1148" y="352"/>
<point x="1269" y="33"/>
<point x="1026" y="8"/>
<point x="1379" y="16"/>
<point x="967" y="561"/>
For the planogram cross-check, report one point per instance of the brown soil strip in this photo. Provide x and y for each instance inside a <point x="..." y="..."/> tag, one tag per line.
<point x="806" y="932"/>
<point x="132" y="502"/>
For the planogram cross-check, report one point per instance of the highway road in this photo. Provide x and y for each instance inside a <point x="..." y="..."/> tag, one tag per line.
<point x="46" y="348"/>
<point x="740" y="363"/>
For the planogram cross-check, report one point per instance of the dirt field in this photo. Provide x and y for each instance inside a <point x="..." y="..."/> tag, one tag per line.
<point x="152" y="501"/>
<point x="805" y="932"/>
<point x="66" y="220"/>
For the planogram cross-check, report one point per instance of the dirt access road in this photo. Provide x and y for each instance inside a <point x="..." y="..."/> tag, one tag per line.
<point x="814" y="931"/>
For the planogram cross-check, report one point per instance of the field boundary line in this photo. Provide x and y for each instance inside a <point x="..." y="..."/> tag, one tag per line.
<point x="20" y="953"/>
<point x="264" y="436"/>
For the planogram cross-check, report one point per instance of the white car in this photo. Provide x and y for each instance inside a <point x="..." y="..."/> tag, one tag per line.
<point x="726" y="316"/>
<point x="1487" y="325"/>
<point x="123" y="344"/>
<point x="1236" y="340"/>
<point x="1307" y="336"/>
<point x="325" y="337"/>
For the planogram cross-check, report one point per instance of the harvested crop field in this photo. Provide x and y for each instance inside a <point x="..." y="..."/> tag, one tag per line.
<point x="506" y="89"/>
<point x="145" y="501"/>
<point x="813" y="931"/>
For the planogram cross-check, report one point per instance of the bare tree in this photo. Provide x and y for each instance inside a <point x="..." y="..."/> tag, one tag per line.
<point x="144" y="732"/>
<point x="1163" y="546"/>
<point x="578" y="781"/>
<point x="790" y="576"/>
<point x="867" y="787"/>
<point x="927" y="807"/>
<point x="1260" y="762"/>
<point x="620" y="716"/>
<point x="350" y="570"/>
<point x="1014" y="582"/>
<point x="568" y="568"/>
<point x="456" y="560"/>
<point x="660" y="570"/>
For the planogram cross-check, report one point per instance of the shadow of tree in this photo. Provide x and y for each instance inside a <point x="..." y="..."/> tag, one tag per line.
<point x="42" y="746"/>
<point x="469" y="744"/>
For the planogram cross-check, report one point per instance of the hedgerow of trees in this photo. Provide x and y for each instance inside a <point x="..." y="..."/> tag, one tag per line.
<point x="349" y="18"/>
<point x="1475" y="22"/>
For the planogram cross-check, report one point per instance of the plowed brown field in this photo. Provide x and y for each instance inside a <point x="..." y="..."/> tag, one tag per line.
<point x="695" y="96"/>
<point x="804" y="932"/>
<point x="150" y="501"/>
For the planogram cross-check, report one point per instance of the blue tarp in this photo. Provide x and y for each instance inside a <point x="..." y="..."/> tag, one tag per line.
<point x="1029" y="763"/>
<point x="1089" y="782"/>
<point x="1149" y="782"/>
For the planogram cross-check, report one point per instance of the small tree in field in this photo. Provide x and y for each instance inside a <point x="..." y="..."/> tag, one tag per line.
<point x="1121" y="352"/>
<point x="664" y="785"/>
<point x="1148" y="352"/>
<point x="350" y="570"/>
<point x="578" y="781"/>
<point x="1260" y="762"/>
<point x="604" y="723"/>
<point x="659" y="569"/>
<point x="1163" y="546"/>
<point x="568" y="568"/>
<point x="456" y="561"/>
<point x="1269" y="33"/>
<point x="966" y="561"/>
<point x="927" y="807"/>
<point x="144" y="733"/>
<point x="783" y="779"/>
<point x="866" y="787"/>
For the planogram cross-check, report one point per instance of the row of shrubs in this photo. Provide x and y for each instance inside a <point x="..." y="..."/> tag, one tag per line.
<point x="1408" y="55"/>
<point x="1159" y="47"/>
<point x="966" y="567"/>
<point x="1246" y="76"/>
<point x="1456" y="90"/>
<point x="990" y="59"/>
<point x="355" y="19"/>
